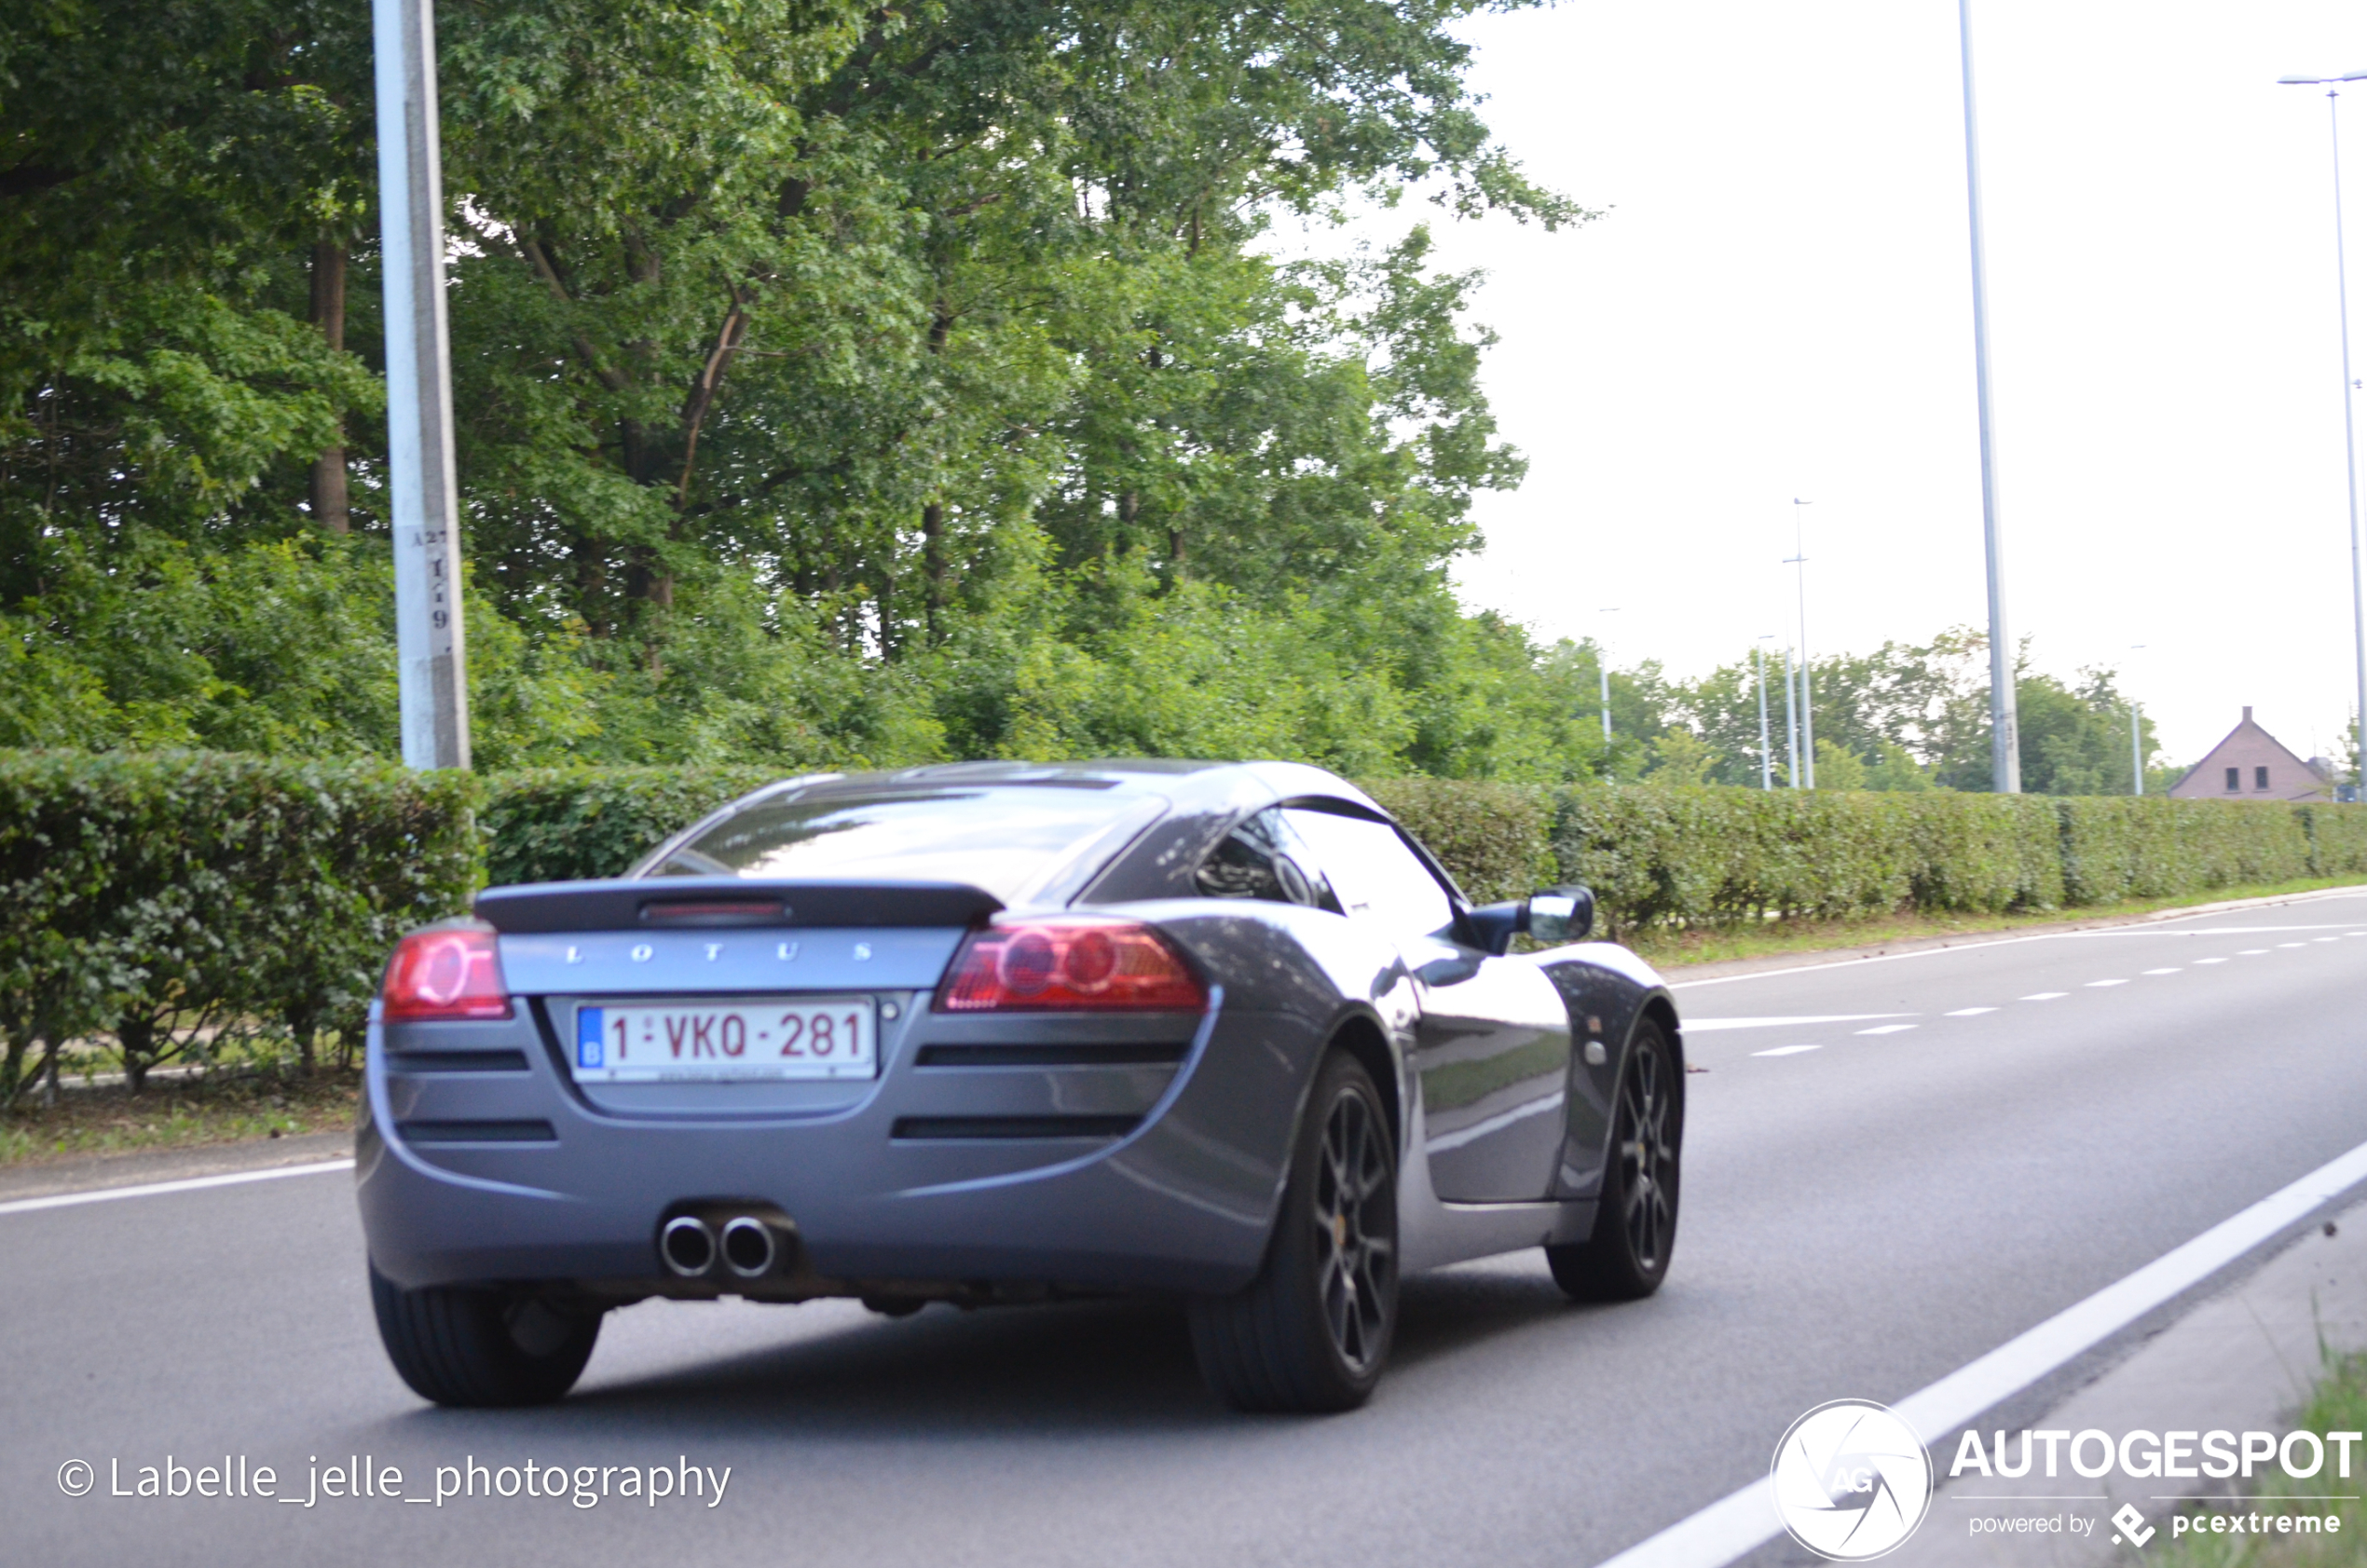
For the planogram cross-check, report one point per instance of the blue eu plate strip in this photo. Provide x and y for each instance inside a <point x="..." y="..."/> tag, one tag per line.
<point x="588" y="1049"/>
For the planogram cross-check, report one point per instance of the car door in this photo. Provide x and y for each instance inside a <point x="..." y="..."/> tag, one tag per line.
<point x="1492" y="1051"/>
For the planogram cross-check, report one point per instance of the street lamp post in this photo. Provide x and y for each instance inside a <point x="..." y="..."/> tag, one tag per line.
<point x="1766" y="751"/>
<point x="2004" y="724"/>
<point x="1791" y="724"/>
<point x="431" y="654"/>
<point x="2350" y="441"/>
<point x="1798" y="558"/>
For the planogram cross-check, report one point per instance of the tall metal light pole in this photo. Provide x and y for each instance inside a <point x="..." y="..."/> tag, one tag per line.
<point x="430" y="648"/>
<point x="2350" y="452"/>
<point x="2004" y="727"/>
<point x="1798" y="558"/>
<point x="1766" y="751"/>
<point x="1791" y="724"/>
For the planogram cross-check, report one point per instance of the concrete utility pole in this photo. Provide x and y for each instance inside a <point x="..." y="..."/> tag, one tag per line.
<point x="1798" y="558"/>
<point x="1766" y="751"/>
<point x="2004" y="724"/>
<point x="430" y="645"/>
<point x="2350" y="440"/>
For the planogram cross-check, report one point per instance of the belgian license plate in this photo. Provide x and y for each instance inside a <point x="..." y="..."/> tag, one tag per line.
<point x="764" y="1038"/>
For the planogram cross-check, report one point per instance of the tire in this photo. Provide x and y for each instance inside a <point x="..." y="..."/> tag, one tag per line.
<point x="1312" y="1331"/>
<point x="482" y="1348"/>
<point x="1626" y="1256"/>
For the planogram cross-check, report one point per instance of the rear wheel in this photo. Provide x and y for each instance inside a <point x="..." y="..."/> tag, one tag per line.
<point x="1626" y="1256"/>
<point x="1311" y="1332"/>
<point x="480" y="1346"/>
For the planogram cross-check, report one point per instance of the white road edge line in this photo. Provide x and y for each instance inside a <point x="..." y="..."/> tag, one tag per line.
<point x="157" y="1189"/>
<point x="1744" y="1519"/>
<point x="2143" y="923"/>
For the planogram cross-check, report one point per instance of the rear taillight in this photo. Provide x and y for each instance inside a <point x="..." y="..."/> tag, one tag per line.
<point x="1069" y="965"/>
<point x="445" y="973"/>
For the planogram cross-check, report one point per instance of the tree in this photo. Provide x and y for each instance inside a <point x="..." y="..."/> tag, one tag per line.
<point x="828" y="380"/>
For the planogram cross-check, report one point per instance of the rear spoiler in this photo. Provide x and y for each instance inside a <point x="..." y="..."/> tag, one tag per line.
<point x="662" y="902"/>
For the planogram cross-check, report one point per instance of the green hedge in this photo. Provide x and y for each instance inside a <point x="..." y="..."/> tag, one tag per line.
<point x="162" y="898"/>
<point x="157" y="899"/>
<point x="560" y="824"/>
<point x="1710" y="855"/>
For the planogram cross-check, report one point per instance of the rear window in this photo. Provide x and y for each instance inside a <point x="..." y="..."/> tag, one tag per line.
<point x="1011" y="841"/>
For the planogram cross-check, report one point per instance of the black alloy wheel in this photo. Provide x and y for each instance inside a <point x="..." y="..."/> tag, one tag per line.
<point x="482" y="1348"/>
<point x="1312" y="1331"/>
<point x="1626" y="1255"/>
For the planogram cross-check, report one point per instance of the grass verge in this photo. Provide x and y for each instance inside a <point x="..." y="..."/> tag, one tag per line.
<point x="1674" y="946"/>
<point x="233" y="1106"/>
<point x="2339" y="1404"/>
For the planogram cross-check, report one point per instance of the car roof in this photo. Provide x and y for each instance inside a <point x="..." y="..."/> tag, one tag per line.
<point x="1189" y="784"/>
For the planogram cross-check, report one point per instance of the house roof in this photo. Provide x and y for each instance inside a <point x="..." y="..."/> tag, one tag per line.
<point x="2251" y="745"/>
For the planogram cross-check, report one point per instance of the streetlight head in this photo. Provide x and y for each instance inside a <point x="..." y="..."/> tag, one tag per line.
<point x="2300" y="81"/>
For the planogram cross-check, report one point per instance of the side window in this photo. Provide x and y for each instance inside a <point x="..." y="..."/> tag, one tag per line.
<point x="1263" y="859"/>
<point x="1372" y="873"/>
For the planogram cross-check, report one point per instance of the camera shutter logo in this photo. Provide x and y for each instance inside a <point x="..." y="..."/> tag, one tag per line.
<point x="1852" y="1480"/>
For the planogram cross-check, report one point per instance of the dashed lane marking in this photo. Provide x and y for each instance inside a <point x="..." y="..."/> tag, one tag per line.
<point x="1887" y="1028"/>
<point x="2044" y="996"/>
<point x="1788" y="1050"/>
<point x="1971" y="1011"/>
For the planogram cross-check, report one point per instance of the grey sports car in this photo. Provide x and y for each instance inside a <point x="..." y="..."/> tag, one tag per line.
<point x="1002" y="1032"/>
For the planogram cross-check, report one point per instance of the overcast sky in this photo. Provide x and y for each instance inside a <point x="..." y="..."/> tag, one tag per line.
<point x="1776" y="303"/>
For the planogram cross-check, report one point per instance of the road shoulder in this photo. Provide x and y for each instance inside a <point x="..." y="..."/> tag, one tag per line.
<point x="2244" y="1361"/>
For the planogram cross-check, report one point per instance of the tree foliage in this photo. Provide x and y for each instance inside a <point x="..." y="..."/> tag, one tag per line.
<point x="1906" y="716"/>
<point x="835" y="382"/>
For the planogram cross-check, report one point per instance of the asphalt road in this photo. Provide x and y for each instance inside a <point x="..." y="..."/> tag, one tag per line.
<point x="1863" y="1214"/>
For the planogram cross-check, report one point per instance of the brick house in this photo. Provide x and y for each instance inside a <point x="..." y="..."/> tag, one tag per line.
<point x="2251" y="765"/>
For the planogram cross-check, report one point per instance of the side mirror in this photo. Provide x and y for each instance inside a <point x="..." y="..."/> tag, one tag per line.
<point x="1559" y="915"/>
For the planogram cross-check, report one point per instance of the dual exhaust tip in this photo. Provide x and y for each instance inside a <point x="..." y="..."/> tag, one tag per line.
<point x="747" y="1246"/>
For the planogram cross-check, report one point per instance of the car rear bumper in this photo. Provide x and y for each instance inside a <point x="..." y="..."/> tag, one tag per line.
<point x="1008" y="1156"/>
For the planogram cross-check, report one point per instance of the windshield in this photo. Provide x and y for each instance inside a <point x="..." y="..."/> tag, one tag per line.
<point x="1011" y="841"/>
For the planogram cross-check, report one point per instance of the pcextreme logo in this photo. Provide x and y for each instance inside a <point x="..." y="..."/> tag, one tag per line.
<point x="1852" y="1480"/>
